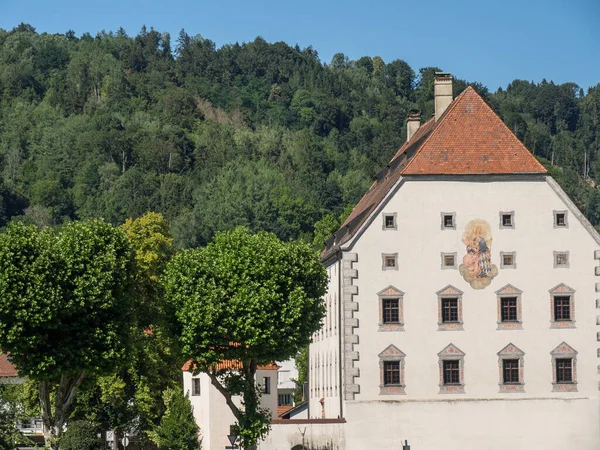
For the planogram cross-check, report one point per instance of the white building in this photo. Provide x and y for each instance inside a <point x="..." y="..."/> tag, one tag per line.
<point x="463" y="303"/>
<point x="211" y="412"/>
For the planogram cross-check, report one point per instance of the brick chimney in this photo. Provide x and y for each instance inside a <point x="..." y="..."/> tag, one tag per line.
<point x="442" y="91"/>
<point x="412" y="124"/>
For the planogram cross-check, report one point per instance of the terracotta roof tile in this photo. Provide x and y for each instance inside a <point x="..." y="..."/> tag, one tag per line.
<point x="468" y="139"/>
<point x="230" y="365"/>
<point x="6" y="367"/>
<point x="283" y="409"/>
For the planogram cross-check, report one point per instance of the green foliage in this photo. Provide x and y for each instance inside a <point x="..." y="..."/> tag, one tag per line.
<point x="249" y="298"/>
<point x="301" y="362"/>
<point x="177" y="429"/>
<point x="81" y="435"/>
<point x="9" y="414"/>
<point x="74" y="285"/>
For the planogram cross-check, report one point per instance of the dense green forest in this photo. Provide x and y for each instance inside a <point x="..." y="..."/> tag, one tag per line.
<point x="257" y="134"/>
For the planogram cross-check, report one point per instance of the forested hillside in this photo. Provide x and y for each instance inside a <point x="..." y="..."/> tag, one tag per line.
<point x="260" y="134"/>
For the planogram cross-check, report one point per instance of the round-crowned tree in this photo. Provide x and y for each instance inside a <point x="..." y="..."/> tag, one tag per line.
<point x="250" y="299"/>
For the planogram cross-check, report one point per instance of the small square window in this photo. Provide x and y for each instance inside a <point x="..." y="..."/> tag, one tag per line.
<point x="389" y="222"/>
<point x="448" y="221"/>
<point x="448" y="260"/>
<point x="508" y="259"/>
<point x="195" y="386"/>
<point x="390" y="261"/>
<point x="561" y="219"/>
<point x="561" y="259"/>
<point x="507" y="219"/>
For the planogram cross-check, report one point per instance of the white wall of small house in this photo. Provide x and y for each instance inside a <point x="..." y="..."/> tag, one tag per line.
<point x="324" y="361"/>
<point x="419" y="241"/>
<point x="211" y="412"/>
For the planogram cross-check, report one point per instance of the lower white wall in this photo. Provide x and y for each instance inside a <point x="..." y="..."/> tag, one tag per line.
<point x="318" y="435"/>
<point x="548" y="424"/>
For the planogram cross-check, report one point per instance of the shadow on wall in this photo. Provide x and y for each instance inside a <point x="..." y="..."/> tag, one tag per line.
<point x="309" y="447"/>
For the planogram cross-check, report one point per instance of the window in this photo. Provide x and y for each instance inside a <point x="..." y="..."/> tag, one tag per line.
<point x="510" y="362"/>
<point x="508" y="260"/>
<point x="390" y="261"/>
<point x="391" y="367"/>
<point x="448" y="260"/>
<point x="389" y="221"/>
<point x="564" y="372"/>
<point x="266" y="385"/>
<point x="451" y="372"/>
<point x="509" y="308"/>
<point x="564" y="368"/>
<point x="562" y="307"/>
<point x="391" y="309"/>
<point x="507" y="219"/>
<point x="560" y="219"/>
<point x="195" y="386"/>
<point x="391" y="373"/>
<point x="448" y="221"/>
<point x="284" y="399"/>
<point x="449" y="309"/>
<point x="451" y="363"/>
<point x="561" y="260"/>
<point x="510" y="371"/>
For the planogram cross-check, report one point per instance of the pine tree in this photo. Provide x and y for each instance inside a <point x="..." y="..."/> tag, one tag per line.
<point x="177" y="429"/>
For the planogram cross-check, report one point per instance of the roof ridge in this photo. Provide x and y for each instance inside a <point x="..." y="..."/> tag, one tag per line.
<point x="436" y="127"/>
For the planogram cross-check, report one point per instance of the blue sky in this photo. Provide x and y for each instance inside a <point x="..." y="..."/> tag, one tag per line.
<point x="493" y="42"/>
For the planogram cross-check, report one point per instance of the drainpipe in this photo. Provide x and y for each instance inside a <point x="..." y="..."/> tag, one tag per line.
<point x="340" y="345"/>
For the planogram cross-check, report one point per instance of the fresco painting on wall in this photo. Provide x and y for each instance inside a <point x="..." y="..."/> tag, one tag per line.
<point x="477" y="268"/>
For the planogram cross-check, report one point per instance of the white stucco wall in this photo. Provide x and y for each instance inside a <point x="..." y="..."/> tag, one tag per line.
<point x="211" y="412"/>
<point x="324" y="361"/>
<point x="419" y="242"/>
<point x="317" y="436"/>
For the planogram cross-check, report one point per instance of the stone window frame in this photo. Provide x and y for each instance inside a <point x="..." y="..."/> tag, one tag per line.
<point x="391" y="353"/>
<point x="564" y="351"/>
<point x="454" y="266"/>
<point x="508" y="266"/>
<point x="452" y="353"/>
<point x="562" y="290"/>
<point x="450" y="292"/>
<point x="384" y="226"/>
<point x="443" y="224"/>
<point x="509" y="291"/>
<point x="555" y="215"/>
<point x="391" y="292"/>
<point x="389" y="255"/>
<point x="511" y="351"/>
<point x="561" y="266"/>
<point x="512" y="220"/>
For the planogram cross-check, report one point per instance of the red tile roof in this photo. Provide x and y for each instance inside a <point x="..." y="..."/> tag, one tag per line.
<point x="6" y="368"/>
<point x="468" y="139"/>
<point x="230" y="365"/>
<point x="283" y="409"/>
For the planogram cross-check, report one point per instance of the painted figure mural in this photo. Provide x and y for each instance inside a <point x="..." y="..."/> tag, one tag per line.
<point x="477" y="268"/>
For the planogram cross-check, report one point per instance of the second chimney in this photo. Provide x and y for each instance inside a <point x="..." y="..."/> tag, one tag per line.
<point x="412" y="124"/>
<point x="442" y="91"/>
